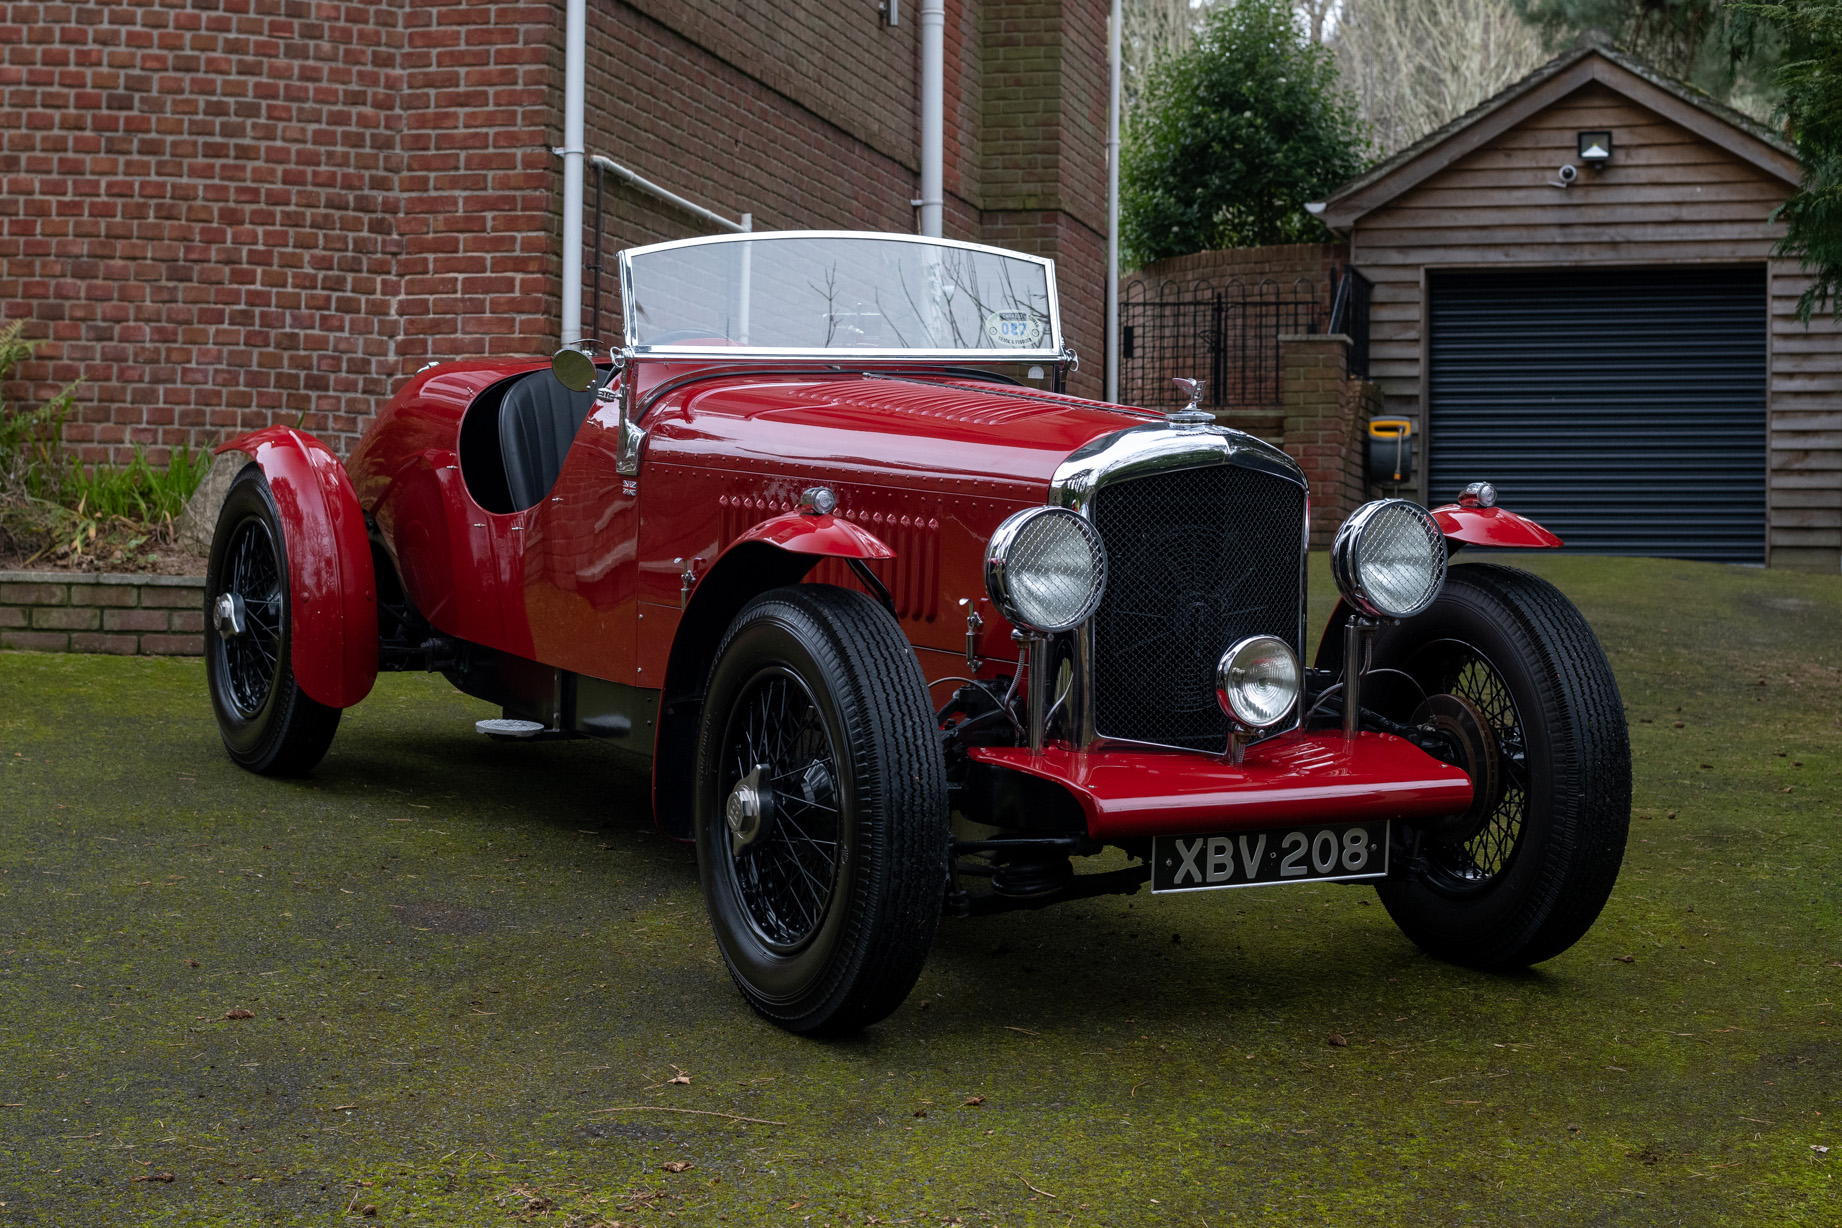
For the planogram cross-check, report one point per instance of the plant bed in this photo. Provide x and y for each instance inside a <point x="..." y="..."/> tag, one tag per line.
<point x="57" y="514"/>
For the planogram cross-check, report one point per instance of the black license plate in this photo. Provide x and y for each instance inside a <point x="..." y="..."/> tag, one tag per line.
<point x="1331" y="852"/>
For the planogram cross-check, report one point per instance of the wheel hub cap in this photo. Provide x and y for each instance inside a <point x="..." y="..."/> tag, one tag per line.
<point x="227" y="613"/>
<point x="749" y="809"/>
<point x="1460" y="720"/>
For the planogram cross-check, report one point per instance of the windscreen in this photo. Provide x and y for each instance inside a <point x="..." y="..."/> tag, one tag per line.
<point x="823" y="292"/>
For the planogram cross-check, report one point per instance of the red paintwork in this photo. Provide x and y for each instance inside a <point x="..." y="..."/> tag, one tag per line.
<point x="1492" y="526"/>
<point x="463" y="567"/>
<point x="925" y="468"/>
<point x="332" y="587"/>
<point x="930" y="470"/>
<point x="1297" y="778"/>
<point x="827" y="535"/>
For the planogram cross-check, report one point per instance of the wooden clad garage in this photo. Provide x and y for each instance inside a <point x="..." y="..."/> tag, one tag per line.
<point x="1621" y="353"/>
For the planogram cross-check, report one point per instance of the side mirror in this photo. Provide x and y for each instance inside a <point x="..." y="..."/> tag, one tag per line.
<point x="574" y="366"/>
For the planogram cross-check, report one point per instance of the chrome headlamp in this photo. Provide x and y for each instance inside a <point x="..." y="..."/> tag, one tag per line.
<point x="1389" y="559"/>
<point x="1045" y="569"/>
<point x="1257" y="681"/>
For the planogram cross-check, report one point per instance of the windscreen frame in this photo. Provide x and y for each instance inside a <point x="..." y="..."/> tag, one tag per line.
<point x="1052" y="351"/>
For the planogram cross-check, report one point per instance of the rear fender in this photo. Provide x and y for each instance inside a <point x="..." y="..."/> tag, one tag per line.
<point x="331" y="580"/>
<point x="773" y="553"/>
<point x="1496" y="527"/>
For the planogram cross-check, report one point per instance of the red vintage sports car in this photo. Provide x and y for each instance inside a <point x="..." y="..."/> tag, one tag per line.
<point x="904" y="634"/>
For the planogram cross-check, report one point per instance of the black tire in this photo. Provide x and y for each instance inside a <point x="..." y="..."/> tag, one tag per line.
<point x="1535" y="872"/>
<point x="819" y="687"/>
<point x="268" y="724"/>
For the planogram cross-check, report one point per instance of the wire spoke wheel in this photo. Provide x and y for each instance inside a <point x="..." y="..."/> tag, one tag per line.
<point x="252" y="579"/>
<point x="1454" y="667"/>
<point x="1521" y="875"/>
<point x="820" y="809"/>
<point x="268" y="723"/>
<point x="786" y="871"/>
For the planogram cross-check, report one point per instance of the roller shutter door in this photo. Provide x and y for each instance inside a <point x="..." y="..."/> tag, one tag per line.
<point x="1622" y="408"/>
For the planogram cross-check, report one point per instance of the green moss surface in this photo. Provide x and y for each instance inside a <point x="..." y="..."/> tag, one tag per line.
<point x="458" y="955"/>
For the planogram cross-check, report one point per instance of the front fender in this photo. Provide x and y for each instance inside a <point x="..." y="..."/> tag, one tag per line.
<point x="775" y="552"/>
<point x="1497" y="527"/>
<point x="832" y="536"/>
<point x="331" y="581"/>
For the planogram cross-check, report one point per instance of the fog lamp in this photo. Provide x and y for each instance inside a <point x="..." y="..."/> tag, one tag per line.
<point x="1256" y="681"/>
<point x="1045" y="569"/>
<point x="1389" y="559"/>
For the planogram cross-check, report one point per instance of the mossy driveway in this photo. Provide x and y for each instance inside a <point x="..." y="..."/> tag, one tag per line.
<point x="457" y="957"/>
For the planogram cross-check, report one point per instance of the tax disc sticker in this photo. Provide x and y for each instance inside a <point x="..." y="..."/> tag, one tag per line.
<point x="1014" y="330"/>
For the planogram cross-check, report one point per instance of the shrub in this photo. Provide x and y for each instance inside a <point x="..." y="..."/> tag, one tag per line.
<point x="1234" y="135"/>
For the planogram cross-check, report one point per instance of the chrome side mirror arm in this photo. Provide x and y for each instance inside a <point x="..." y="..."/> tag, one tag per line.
<point x="627" y="454"/>
<point x="574" y="368"/>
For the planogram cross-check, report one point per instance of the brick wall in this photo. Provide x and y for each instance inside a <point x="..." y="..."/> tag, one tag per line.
<point x="55" y="611"/>
<point x="478" y="262"/>
<point x="1284" y="264"/>
<point x="1044" y="113"/>
<point x="1326" y="426"/>
<point x="224" y="213"/>
<point x="817" y="128"/>
<point x="196" y="203"/>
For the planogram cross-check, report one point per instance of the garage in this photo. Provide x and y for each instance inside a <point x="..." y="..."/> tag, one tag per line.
<point x="1624" y="408"/>
<point x="1574" y="295"/>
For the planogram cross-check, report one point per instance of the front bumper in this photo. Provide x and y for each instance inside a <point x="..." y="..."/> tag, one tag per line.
<point x="1295" y="779"/>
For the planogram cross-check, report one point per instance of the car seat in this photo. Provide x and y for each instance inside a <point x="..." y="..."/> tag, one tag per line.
<point x="538" y="420"/>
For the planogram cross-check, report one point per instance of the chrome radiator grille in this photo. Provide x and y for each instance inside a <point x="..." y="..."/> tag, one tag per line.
<point x="1197" y="558"/>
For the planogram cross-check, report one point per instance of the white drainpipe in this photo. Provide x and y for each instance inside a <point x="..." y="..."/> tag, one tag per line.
<point x="575" y="81"/>
<point x="1112" y="205"/>
<point x="933" y="113"/>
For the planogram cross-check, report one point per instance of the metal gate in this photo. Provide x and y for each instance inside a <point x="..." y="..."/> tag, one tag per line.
<point x="1622" y="408"/>
<point x="1228" y="335"/>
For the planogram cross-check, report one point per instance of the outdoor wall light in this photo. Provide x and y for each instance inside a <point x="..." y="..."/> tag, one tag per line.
<point x="1596" y="149"/>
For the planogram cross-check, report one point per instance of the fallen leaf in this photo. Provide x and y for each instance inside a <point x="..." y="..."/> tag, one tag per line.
<point x="1625" y="959"/>
<point x="680" y="1077"/>
<point x="368" y="1209"/>
<point x="1822" y="1151"/>
<point x="676" y="1166"/>
<point x="1338" y="1040"/>
<point x="238" y="1012"/>
<point x="975" y="1100"/>
<point x="168" y="1177"/>
<point x="1678" y="724"/>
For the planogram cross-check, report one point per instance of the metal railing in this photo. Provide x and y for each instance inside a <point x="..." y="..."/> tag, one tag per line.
<point x="1228" y="335"/>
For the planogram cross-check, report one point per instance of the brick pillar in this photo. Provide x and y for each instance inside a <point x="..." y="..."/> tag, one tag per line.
<point x="1327" y="414"/>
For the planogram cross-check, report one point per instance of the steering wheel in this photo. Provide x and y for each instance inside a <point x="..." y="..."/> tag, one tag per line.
<point x="678" y="335"/>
